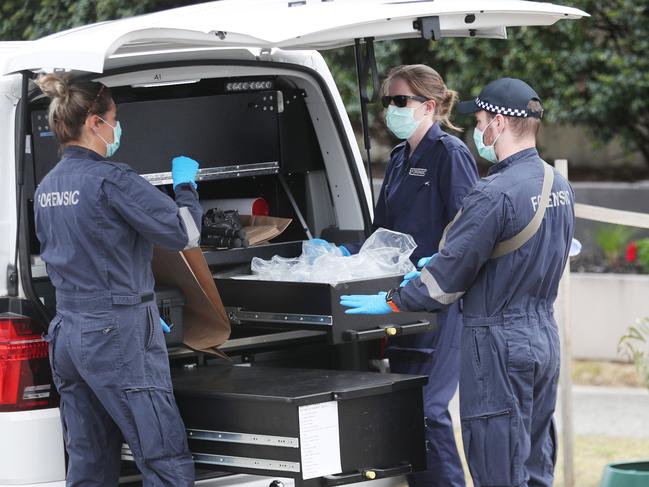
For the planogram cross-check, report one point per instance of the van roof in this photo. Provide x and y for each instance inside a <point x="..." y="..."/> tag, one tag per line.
<point x="287" y="24"/>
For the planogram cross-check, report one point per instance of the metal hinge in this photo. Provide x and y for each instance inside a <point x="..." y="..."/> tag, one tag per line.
<point x="429" y="27"/>
<point x="12" y="280"/>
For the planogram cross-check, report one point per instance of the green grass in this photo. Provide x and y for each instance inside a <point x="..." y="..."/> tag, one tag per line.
<point x="592" y="454"/>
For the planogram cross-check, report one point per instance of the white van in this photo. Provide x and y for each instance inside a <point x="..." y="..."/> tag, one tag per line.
<point x="239" y="85"/>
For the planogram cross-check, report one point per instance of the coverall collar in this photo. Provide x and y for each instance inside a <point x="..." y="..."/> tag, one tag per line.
<point x="513" y="159"/>
<point x="77" y="152"/>
<point x="433" y="134"/>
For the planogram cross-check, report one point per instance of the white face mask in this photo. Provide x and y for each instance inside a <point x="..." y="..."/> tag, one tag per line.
<point x="486" y="151"/>
<point x="401" y="121"/>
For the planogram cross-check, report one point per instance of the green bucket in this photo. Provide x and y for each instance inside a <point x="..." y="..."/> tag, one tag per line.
<point x="630" y="474"/>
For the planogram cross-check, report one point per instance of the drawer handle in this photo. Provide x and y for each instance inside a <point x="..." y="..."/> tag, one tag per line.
<point x="366" y="474"/>
<point x="388" y="330"/>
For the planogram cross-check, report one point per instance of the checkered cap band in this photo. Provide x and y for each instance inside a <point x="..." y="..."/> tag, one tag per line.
<point x="510" y="112"/>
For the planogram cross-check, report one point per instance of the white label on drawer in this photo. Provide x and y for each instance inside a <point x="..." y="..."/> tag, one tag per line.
<point x="319" y="440"/>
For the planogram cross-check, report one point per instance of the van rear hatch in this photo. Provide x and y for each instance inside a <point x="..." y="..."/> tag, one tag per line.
<point x="282" y="24"/>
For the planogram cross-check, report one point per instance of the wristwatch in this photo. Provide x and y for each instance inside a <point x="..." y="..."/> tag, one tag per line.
<point x="388" y="299"/>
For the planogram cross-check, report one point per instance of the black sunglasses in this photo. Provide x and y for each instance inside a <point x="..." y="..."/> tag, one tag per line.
<point x="401" y="100"/>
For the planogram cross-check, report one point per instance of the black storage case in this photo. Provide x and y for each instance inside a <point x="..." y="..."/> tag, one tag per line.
<point x="170" y="301"/>
<point x="316" y="306"/>
<point x="246" y="420"/>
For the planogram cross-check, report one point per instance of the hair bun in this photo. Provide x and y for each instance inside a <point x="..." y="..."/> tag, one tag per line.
<point x="54" y="86"/>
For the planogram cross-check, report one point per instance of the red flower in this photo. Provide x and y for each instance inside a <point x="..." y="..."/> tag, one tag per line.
<point x="631" y="252"/>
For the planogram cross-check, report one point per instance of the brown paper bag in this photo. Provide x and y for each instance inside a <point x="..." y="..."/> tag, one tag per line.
<point x="260" y="229"/>
<point x="205" y="323"/>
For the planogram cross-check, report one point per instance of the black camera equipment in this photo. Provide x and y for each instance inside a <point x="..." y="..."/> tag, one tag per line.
<point x="223" y="229"/>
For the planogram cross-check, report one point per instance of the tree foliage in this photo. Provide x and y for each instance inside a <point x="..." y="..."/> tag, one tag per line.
<point x="31" y="19"/>
<point x="592" y="72"/>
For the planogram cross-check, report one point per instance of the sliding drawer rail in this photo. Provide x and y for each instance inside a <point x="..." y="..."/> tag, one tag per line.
<point x="224" y="172"/>
<point x="238" y="316"/>
<point x="247" y="438"/>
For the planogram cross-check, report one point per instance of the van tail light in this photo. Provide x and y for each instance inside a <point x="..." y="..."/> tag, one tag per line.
<point x="25" y="375"/>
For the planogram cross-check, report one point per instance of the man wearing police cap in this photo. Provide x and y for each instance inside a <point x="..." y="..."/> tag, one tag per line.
<point x="503" y="255"/>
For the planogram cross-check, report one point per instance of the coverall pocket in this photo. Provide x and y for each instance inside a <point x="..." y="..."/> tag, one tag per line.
<point x="490" y="447"/>
<point x="519" y="355"/>
<point x="150" y="329"/>
<point x="159" y="427"/>
<point x="100" y="349"/>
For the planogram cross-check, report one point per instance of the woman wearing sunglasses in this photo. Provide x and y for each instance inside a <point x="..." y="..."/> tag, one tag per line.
<point x="426" y="178"/>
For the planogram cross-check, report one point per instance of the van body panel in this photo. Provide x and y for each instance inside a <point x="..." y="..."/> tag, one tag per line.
<point x="276" y="23"/>
<point x="31" y="447"/>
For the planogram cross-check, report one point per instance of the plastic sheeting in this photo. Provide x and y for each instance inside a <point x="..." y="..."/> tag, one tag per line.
<point x="384" y="253"/>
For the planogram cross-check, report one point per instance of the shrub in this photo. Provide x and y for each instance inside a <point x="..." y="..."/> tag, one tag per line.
<point x="635" y="346"/>
<point x="613" y="239"/>
<point x="638" y="251"/>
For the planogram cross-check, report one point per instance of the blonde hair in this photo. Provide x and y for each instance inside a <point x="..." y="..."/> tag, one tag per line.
<point x="71" y="103"/>
<point x="425" y="81"/>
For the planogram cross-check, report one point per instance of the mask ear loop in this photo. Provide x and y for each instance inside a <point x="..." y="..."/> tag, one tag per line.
<point x="97" y="133"/>
<point x="497" y="136"/>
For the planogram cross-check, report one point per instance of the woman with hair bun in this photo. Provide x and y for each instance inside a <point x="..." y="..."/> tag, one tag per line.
<point x="426" y="179"/>
<point x="97" y="222"/>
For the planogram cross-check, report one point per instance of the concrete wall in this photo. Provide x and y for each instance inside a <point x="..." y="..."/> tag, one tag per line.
<point x="603" y="306"/>
<point x="582" y="150"/>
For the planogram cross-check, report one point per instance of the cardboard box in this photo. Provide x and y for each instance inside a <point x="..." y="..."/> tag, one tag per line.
<point x="206" y="324"/>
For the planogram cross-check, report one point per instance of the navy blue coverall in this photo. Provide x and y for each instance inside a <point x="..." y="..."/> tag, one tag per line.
<point x="421" y="194"/>
<point x="97" y="222"/>
<point x="510" y="343"/>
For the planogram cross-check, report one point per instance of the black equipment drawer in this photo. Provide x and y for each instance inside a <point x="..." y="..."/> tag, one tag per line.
<point x="316" y="306"/>
<point x="276" y="422"/>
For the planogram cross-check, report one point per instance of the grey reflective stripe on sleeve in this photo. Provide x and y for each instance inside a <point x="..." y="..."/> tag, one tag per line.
<point x="442" y="241"/>
<point x="193" y="235"/>
<point x="436" y="292"/>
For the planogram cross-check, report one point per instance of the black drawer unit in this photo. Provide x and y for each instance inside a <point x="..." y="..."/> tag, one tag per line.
<point x="316" y="306"/>
<point x="319" y="427"/>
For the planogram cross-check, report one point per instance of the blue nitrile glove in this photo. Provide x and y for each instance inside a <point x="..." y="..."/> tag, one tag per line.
<point x="322" y="242"/>
<point x="165" y="326"/>
<point x="328" y="245"/>
<point x="408" y="277"/>
<point x="575" y="248"/>
<point x="423" y="262"/>
<point x="366" y="304"/>
<point x="184" y="170"/>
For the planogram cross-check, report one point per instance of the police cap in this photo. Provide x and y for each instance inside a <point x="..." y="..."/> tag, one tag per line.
<point x="507" y="96"/>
